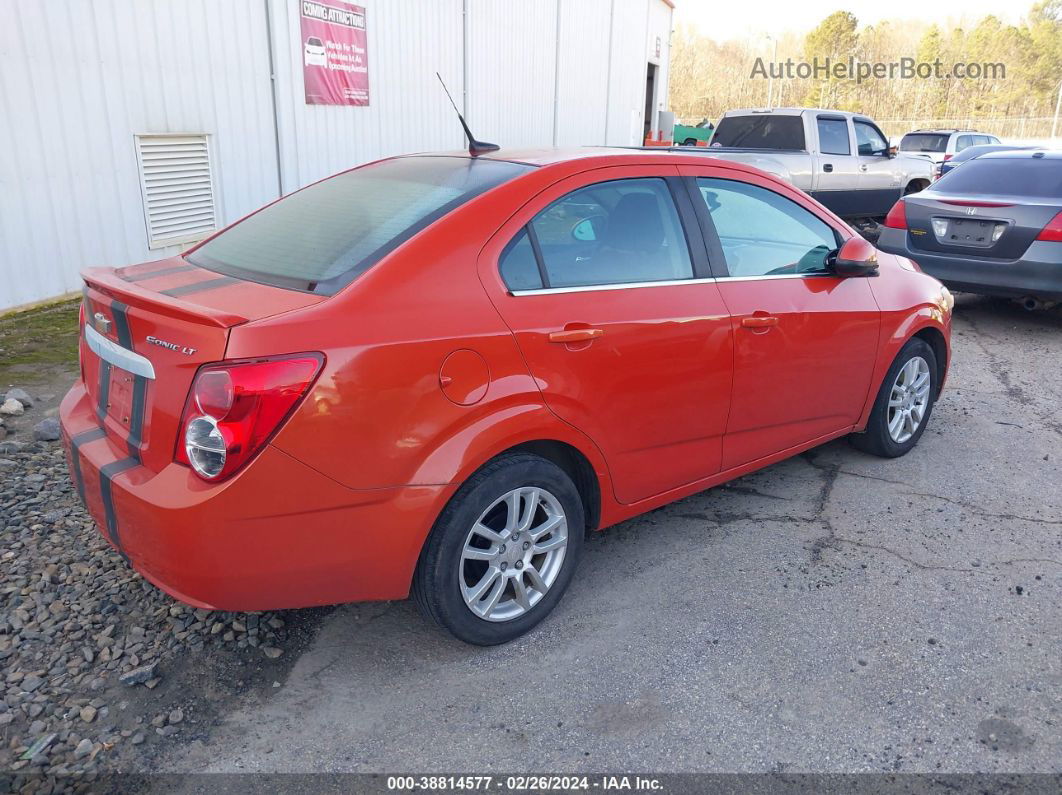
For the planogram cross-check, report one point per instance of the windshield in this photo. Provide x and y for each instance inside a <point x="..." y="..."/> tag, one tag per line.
<point x="1038" y="178"/>
<point x="322" y="237"/>
<point x="760" y="132"/>
<point x="924" y="142"/>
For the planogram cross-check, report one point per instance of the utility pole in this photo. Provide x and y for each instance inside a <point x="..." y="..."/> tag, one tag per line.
<point x="1058" y="102"/>
<point x="770" y="74"/>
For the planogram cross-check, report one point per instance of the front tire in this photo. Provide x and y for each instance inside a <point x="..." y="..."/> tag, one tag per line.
<point x="503" y="551"/>
<point x="903" y="405"/>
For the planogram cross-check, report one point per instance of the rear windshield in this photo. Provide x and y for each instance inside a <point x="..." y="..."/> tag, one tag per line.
<point x="760" y="132"/>
<point x="924" y="142"/>
<point x="322" y="237"/>
<point x="1038" y="178"/>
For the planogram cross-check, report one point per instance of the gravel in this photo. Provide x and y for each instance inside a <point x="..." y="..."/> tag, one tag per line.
<point x="82" y="635"/>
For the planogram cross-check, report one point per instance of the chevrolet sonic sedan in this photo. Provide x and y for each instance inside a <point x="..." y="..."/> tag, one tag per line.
<point x="434" y="374"/>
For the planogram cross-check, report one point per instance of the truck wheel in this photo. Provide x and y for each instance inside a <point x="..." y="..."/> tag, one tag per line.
<point x="690" y="142"/>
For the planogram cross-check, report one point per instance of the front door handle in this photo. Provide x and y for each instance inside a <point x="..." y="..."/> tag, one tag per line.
<point x="759" y="321"/>
<point x="569" y="336"/>
<point x="828" y="167"/>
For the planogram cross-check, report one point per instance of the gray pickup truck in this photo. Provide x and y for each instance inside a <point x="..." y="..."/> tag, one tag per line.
<point x="842" y="159"/>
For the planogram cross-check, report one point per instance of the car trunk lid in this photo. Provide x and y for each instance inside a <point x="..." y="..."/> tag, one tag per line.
<point x="992" y="227"/>
<point x="148" y="329"/>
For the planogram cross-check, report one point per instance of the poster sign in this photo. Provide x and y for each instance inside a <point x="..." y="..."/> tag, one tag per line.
<point x="335" y="67"/>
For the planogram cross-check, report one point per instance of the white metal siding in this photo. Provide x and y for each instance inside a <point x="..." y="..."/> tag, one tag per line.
<point x="79" y="79"/>
<point x="407" y="41"/>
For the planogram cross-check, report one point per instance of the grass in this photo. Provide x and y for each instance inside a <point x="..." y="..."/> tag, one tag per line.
<point x="37" y="343"/>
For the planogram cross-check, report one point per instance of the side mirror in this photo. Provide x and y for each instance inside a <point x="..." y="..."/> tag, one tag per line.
<point x="857" y="257"/>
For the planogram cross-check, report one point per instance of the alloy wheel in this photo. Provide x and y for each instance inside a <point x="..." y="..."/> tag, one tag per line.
<point x="513" y="554"/>
<point x="909" y="399"/>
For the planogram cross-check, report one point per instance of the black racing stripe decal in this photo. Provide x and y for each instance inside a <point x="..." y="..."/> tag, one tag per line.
<point x="198" y="287"/>
<point x="139" y="277"/>
<point x="136" y="410"/>
<point x="91" y="435"/>
<point x="107" y="475"/>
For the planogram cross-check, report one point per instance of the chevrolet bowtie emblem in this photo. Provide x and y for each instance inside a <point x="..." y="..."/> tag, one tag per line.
<point x="101" y="322"/>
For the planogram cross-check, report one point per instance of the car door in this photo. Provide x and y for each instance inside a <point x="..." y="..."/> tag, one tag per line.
<point x="837" y="177"/>
<point x="879" y="178"/>
<point x="603" y="280"/>
<point x="805" y="341"/>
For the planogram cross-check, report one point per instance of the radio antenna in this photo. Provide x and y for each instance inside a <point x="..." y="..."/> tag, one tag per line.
<point x="474" y="147"/>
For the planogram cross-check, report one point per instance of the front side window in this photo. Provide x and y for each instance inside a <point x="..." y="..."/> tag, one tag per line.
<point x="869" y="140"/>
<point x="618" y="232"/>
<point x="833" y="137"/>
<point x="763" y="233"/>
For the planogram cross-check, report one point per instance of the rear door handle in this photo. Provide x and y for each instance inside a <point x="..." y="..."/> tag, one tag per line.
<point x="759" y="322"/>
<point x="828" y="167"/>
<point x="862" y="166"/>
<point x="576" y="335"/>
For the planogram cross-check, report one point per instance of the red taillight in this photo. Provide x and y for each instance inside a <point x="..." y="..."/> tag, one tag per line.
<point x="1053" y="231"/>
<point x="235" y="407"/>
<point x="897" y="217"/>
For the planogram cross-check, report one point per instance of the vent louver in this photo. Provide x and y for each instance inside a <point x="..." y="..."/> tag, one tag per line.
<point x="177" y="186"/>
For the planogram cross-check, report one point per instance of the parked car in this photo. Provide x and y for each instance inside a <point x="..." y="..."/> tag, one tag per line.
<point x="939" y="146"/>
<point x="993" y="226"/>
<point x="842" y="159"/>
<point x="970" y="152"/>
<point x="314" y="52"/>
<point x="693" y="135"/>
<point x="436" y="373"/>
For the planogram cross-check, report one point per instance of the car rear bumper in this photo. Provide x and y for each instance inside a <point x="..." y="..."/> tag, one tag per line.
<point x="278" y="534"/>
<point x="1038" y="273"/>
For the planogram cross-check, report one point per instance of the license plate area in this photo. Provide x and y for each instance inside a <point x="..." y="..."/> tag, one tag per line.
<point x="973" y="232"/>
<point x="120" y="396"/>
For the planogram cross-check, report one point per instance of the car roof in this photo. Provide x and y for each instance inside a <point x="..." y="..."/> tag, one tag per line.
<point x="791" y="112"/>
<point x="602" y="155"/>
<point x="1023" y="154"/>
<point x="947" y="131"/>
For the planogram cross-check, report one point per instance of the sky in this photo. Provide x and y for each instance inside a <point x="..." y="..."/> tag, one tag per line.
<point x="755" y="19"/>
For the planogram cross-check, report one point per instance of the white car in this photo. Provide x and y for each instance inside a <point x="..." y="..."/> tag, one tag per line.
<point x="940" y="145"/>
<point x="314" y="52"/>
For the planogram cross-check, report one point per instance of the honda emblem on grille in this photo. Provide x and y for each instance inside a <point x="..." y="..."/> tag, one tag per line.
<point x="101" y="322"/>
<point x="971" y="210"/>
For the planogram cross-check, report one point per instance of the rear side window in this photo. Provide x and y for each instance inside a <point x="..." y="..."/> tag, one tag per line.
<point x="1039" y="178"/>
<point x="763" y="233"/>
<point x="322" y="237"/>
<point x="619" y="232"/>
<point x="923" y="142"/>
<point x="761" y="132"/>
<point x="833" y="137"/>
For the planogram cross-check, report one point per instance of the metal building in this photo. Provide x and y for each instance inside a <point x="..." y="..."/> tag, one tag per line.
<point x="129" y="129"/>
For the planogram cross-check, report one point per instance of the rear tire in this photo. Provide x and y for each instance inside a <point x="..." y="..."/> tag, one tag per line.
<point x="503" y="551"/>
<point x="905" y="399"/>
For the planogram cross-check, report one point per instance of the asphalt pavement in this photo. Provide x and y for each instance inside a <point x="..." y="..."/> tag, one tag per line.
<point x="835" y="612"/>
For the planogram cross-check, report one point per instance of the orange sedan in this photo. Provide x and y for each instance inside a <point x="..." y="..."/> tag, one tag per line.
<point x="436" y="373"/>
